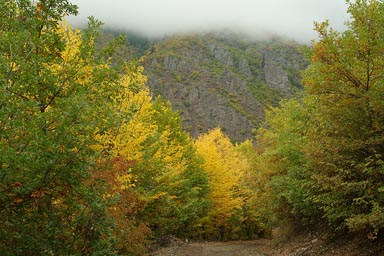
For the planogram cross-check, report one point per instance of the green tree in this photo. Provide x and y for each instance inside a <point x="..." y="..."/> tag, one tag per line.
<point x="325" y="155"/>
<point x="170" y="177"/>
<point x="54" y="88"/>
<point x="282" y="181"/>
<point x="345" y="139"/>
<point x="252" y="221"/>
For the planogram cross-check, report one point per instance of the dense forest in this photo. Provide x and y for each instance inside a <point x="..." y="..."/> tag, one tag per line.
<point x="92" y="163"/>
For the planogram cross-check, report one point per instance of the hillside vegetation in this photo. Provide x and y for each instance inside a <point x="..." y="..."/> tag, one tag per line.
<point x="94" y="162"/>
<point x="223" y="79"/>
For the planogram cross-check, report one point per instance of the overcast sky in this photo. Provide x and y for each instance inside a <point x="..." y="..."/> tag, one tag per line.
<point x="290" y="18"/>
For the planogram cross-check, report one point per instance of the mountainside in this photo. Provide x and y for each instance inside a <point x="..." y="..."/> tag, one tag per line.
<point x="223" y="79"/>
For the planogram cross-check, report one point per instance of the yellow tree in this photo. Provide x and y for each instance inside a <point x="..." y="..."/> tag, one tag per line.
<point x="119" y="141"/>
<point x="120" y="147"/>
<point x="224" y="169"/>
<point x="163" y="169"/>
<point x="171" y="176"/>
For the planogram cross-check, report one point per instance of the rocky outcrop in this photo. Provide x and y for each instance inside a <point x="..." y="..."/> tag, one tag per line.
<point x="276" y="77"/>
<point x="244" y="67"/>
<point x="221" y="54"/>
<point x="222" y="81"/>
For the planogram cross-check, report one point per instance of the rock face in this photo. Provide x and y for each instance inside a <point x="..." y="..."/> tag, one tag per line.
<point x="223" y="80"/>
<point x="276" y="77"/>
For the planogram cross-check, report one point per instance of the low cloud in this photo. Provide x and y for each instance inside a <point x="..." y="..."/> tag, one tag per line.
<point x="289" y="18"/>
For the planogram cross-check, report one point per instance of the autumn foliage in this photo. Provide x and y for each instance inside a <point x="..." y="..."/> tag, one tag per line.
<point x="323" y="154"/>
<point x="92" y="164"/>
<point x="227" y="167"/>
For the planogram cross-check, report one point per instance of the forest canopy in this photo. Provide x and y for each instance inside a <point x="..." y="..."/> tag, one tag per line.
<point x="92" y="164"/>
<point x="324" y="152"/>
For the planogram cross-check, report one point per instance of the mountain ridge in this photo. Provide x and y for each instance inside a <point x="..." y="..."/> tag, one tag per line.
<point x="223" y="79"/>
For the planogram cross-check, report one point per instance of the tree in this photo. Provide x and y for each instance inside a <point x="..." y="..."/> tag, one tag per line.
<point x="282" y="181"/>
<point x="346" y="136"/>
<point x="253" y="221"/>
<point x="53" y="89"/>
<point x="165" y="173"/>
<point x="224" y="169"/>
<point x="169" y="177"/>
<point x="120" y="147"/>
<point x="331" y="168"/>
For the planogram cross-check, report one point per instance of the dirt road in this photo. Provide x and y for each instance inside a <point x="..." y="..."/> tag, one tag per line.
<point x="297" y="245"/>
<point x="236" y="248"/>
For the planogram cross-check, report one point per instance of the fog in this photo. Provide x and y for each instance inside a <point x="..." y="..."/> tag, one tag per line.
<point x="293" y="19"/>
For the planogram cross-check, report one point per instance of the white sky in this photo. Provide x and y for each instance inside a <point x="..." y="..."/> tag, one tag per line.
<point x="290" y="18"/>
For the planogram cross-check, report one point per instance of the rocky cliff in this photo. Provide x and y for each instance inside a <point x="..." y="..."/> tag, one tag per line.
<point x="223" y="79"/>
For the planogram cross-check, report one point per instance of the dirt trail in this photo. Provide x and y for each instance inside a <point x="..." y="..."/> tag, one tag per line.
<point x="299" y="244"/>
<point x="235" y="248"/>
